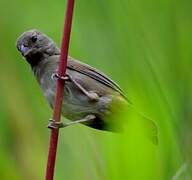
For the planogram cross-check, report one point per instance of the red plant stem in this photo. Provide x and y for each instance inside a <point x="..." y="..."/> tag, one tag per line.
<point x="59" y="90"/>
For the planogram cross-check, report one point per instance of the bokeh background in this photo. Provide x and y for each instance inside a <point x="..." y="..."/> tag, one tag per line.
<point x="145" y="46"/>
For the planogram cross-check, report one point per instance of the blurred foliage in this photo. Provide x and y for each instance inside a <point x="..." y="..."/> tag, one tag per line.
<point x="145" y="46"/>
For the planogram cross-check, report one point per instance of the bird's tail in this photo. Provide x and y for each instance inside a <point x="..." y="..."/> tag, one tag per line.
<point x="149" y="126"/>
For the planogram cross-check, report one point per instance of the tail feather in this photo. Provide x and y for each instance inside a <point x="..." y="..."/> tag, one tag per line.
<point x="149" y="126"/>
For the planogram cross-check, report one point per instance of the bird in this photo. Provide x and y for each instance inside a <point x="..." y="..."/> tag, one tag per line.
<point x="90" y="96"/>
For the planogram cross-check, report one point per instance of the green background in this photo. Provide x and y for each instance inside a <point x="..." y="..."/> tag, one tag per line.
<point x="145" y="46"/>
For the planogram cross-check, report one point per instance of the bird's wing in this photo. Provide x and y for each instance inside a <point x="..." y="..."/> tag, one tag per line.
<point x="94" y="73"/>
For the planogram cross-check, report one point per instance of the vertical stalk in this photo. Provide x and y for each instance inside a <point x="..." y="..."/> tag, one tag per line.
<point x="59" y="90"/>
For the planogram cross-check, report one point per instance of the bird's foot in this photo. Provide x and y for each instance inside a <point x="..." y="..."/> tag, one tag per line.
<point x="56" y="76"/>
<point x="57" y="125"/>
<point x="54" y="124"/>
<point x="90" y="94"/>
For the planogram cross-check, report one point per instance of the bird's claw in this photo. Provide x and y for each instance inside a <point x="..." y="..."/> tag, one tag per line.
<point x="55" y="125"/>
<point x="90" y="94"/>
<point x="57" y="76"/>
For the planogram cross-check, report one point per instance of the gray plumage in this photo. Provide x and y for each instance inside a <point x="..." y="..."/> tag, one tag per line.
<point x="43" y="56"/>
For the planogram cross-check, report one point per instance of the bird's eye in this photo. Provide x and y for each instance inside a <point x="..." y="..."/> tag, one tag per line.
<point x="34" y="38"/>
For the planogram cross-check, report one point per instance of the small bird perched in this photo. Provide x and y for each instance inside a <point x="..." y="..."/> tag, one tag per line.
<point x="90" y="97"/>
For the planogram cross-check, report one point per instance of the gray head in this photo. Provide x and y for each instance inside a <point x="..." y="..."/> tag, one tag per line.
<point x="36" y="46"/>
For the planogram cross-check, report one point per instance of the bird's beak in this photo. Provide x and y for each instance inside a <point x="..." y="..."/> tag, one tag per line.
<point x="25" y="50"/>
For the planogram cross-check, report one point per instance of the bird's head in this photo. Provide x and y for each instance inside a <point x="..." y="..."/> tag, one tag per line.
<point x="35" y="46"/>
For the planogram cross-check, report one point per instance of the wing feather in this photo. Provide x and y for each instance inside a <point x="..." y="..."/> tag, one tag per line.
<point x="94" y="73"/>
